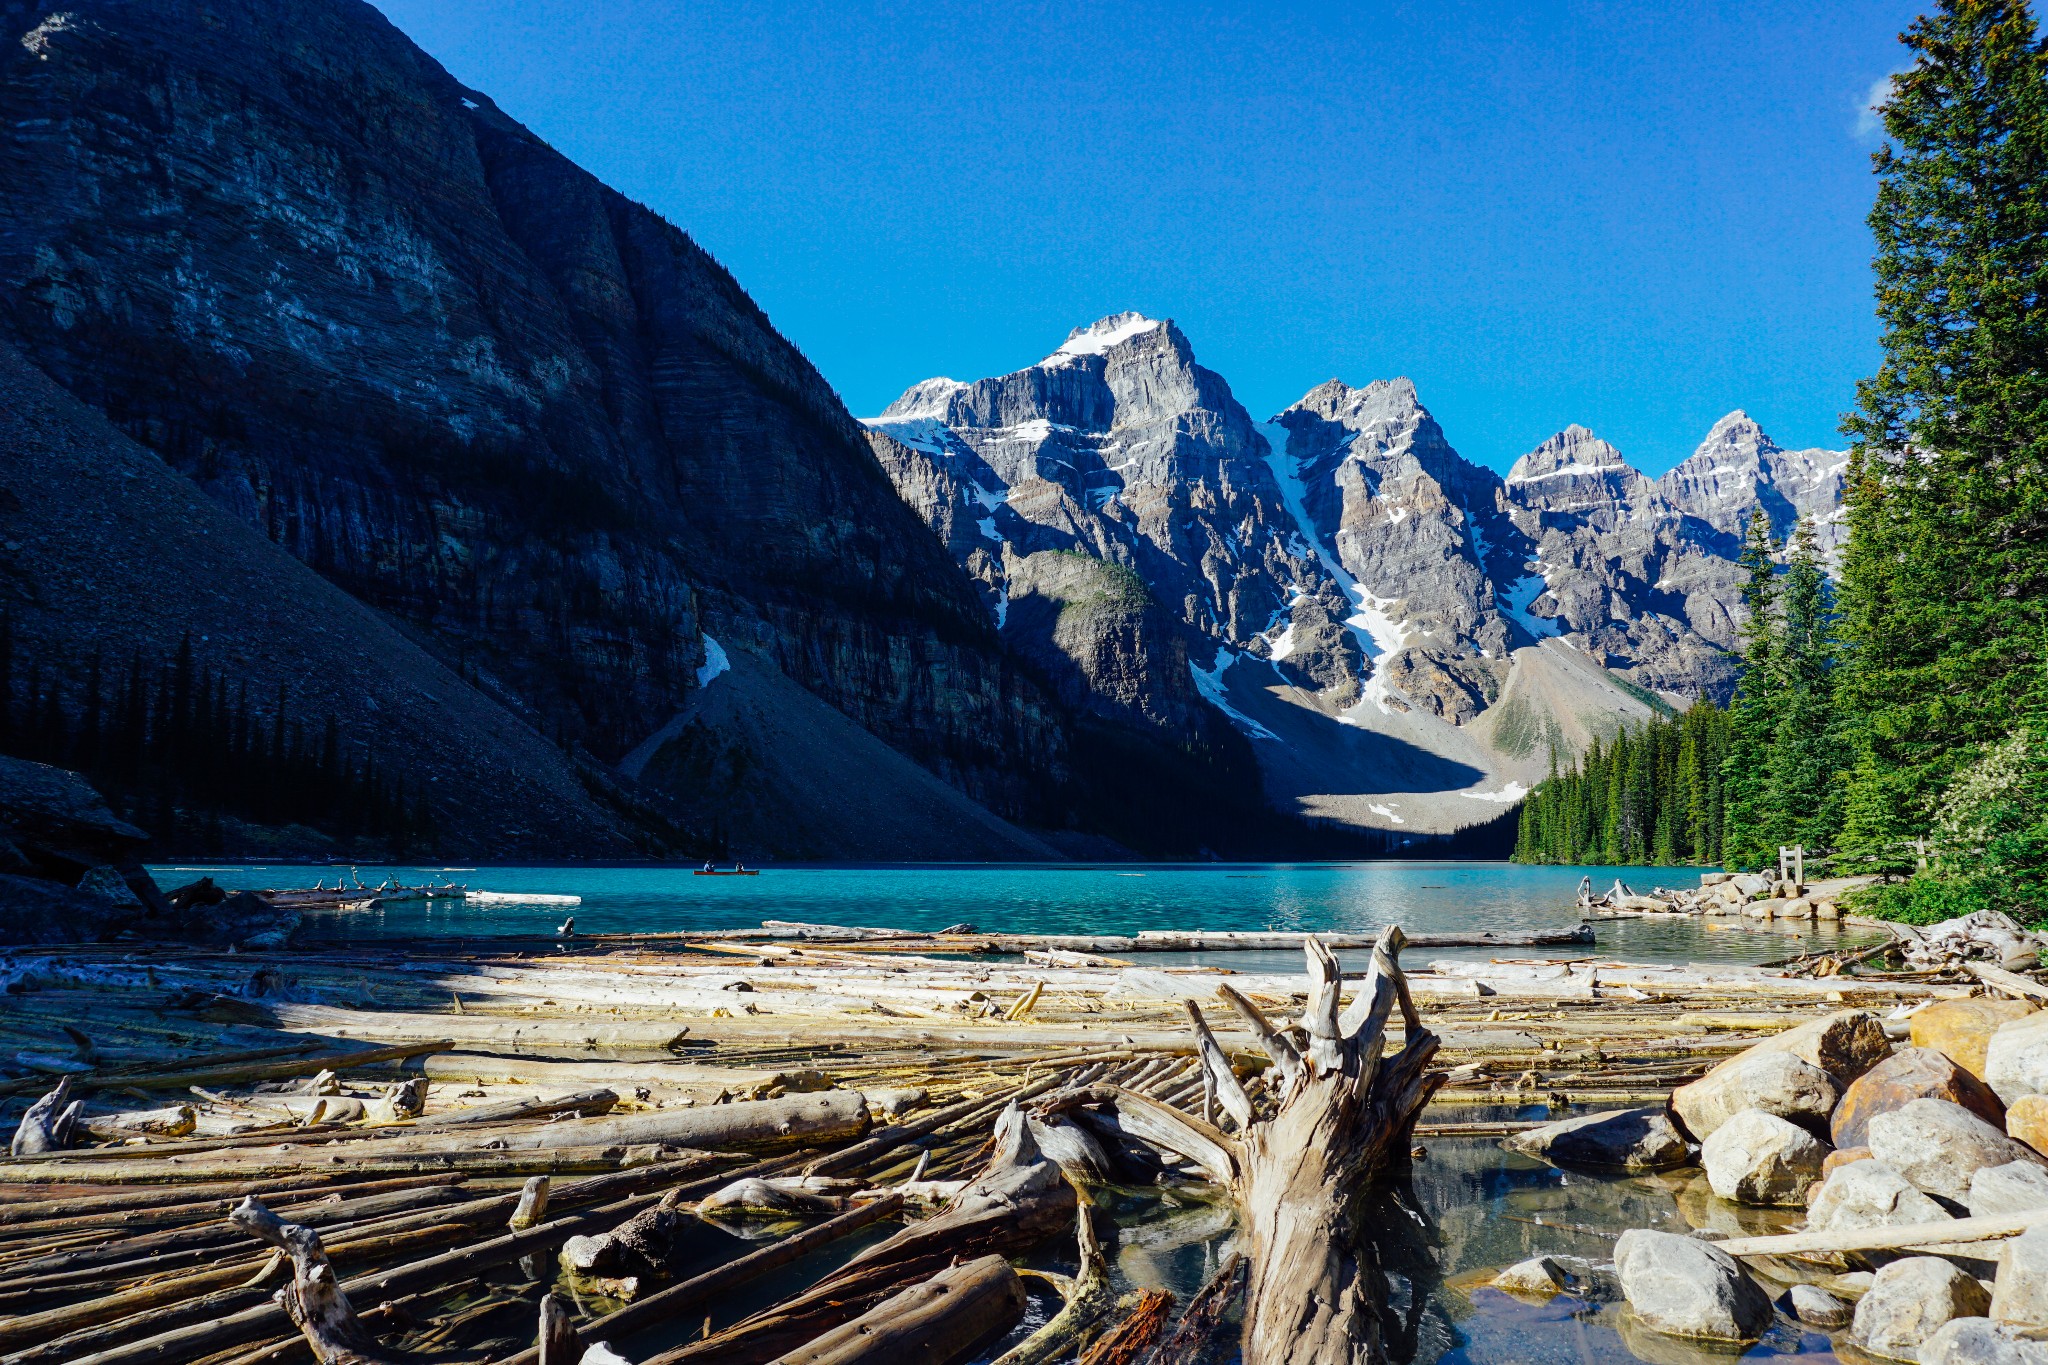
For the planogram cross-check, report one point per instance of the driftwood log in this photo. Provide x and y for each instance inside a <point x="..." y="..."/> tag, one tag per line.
<point x="48" y="1124"/>
<point x="1145" y="941"/>
<point x="934" y="1323"/>
<point x="1300" y="1173"/>
<point x="1019" y="1200"/>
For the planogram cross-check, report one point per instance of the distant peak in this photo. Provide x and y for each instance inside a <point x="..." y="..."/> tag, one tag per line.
<point x="928" y="399"/>
<point x="1575" y="451"/>
<point x="1381" y="400"/>
<point x="1735" y="437"/>
<point x="1099" y="336"/>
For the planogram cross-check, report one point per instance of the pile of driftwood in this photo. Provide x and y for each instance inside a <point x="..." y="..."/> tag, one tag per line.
<point x="513" y="1150"/>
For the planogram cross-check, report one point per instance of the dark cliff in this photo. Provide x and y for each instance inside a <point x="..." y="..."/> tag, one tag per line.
<point x="388" y="327"/>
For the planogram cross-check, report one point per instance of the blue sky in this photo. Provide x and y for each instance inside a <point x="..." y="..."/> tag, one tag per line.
<point x="1633" y="216"/>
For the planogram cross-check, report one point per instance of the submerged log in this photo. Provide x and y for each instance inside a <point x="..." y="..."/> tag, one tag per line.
<point x="1135" y="1334"/>
<point x="1198" y="1329"/>
<point x="935" y="1323"/>
<point x="1087" y="1301"/>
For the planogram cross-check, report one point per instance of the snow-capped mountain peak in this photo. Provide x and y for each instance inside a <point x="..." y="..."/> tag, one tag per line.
<point x="927" y="400"/>
<point x="1097" y="337"/>
<point x="1574" y="452"/>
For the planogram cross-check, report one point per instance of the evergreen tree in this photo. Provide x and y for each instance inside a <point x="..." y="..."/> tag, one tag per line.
<point x="1647" y="795"/>
<point x="1945" y="578"/>
<point x="1753" y="718"/>
<point x="1802" y="796"/>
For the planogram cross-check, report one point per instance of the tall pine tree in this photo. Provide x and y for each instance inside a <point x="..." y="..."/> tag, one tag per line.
<point x="1802" y="795"/>
<point x="1945" y="579"/>
<point x="1753" y="717"/>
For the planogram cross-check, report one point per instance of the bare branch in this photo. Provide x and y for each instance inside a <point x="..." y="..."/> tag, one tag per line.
<point x="1216" y="1070"/>
<point x="313" y="1299"/>
<point x="1286" y="1060"/>
<point x="1326" y="983"/>
<point x="1155" y="1124"/>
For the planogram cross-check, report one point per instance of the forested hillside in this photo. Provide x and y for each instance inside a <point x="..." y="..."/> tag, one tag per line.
<point x="1895" y="719"/>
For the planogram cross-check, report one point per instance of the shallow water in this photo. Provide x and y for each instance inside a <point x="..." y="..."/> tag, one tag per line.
<point x="1466" y="1210"/>
<point x="1060" y="898"/>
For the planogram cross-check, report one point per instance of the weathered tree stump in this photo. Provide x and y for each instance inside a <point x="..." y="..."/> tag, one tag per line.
<point x="48" y="1124"/>
<point x="1300" y="1174"/>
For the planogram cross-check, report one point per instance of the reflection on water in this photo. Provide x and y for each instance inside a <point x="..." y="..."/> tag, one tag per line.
<point x="1059" y="898"/>
<point x="1444" y="1226"/>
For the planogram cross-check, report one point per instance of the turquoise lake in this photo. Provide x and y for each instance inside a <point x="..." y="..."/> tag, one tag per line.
<point x="1467" y="1210"/>
<point x="1435" y="897"/>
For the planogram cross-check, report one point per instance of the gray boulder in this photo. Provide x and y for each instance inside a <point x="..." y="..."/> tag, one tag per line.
<point x="1759" y="1158"/>
<point x="1939" y="1145"/>
<point x="1980" y="1341"/>
<point x="1869" y="1194"/>
<point x="2021" y="1299"/>
<point x="1684" y="1287"/>
<point x="1617" y="1140"/>
<point x="1816" y="1307"/>
<point x="2015" y="1187"/>
<point x="1911" y="1298"/>
<point x="107" y="883"/>
<point x="36" y="911"/>
<point x="2016" y="1061"/>
<point x="1844" y="1044"/>
<point x="60" y="809"/>
<point x="1777" y="1083"/>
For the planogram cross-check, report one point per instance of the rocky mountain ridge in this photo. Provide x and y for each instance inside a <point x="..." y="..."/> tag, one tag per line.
<point x="1343" y="561"/>
<point x="527" y="420"/>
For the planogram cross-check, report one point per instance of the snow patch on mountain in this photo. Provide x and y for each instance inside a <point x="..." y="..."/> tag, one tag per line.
<point x="715" y="662"/>
<point x="1098" y="337"/>
<point x="1209" y="682"/>
<point x="1378" y="633"/>
<point x="1517" y="600"/>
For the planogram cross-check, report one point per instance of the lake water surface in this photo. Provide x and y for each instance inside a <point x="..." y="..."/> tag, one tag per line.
<point x="1118" y="898"/>
<point x="1465" y="1211"/>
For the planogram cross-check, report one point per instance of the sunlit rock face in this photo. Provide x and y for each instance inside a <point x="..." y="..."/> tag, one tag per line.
<point x="1341" y="558"/>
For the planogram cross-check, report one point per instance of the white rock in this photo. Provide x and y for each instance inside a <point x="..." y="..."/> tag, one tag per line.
<point x="1777" y="1083"/>
<point x="1615" y="1140"/>
<point x="1684" y="1287"/>
<point x="1816" y="1307"/>
<point x="2016" y="1062"/>
<point x="1759" y="1158"/>
<point x="1538" y="1277"/>
<point x="1939" y="1146"/>
<point x="1869" y="1194"/>
<point x="2014" y="1187"/>
<point x="1909" y="1299"/>
<point x="2021" y="1298"/>
<point x="1980" y="1341"/>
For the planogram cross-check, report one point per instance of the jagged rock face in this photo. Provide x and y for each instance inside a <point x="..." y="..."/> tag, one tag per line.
<point x="1118" y="447"/>
<point x="1414" y="527"/>
<point x="1642" y="572"/>
<point x="1095" y="630"/>
<point x="394" y="330"/>
<point x="1342" y="560"/>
